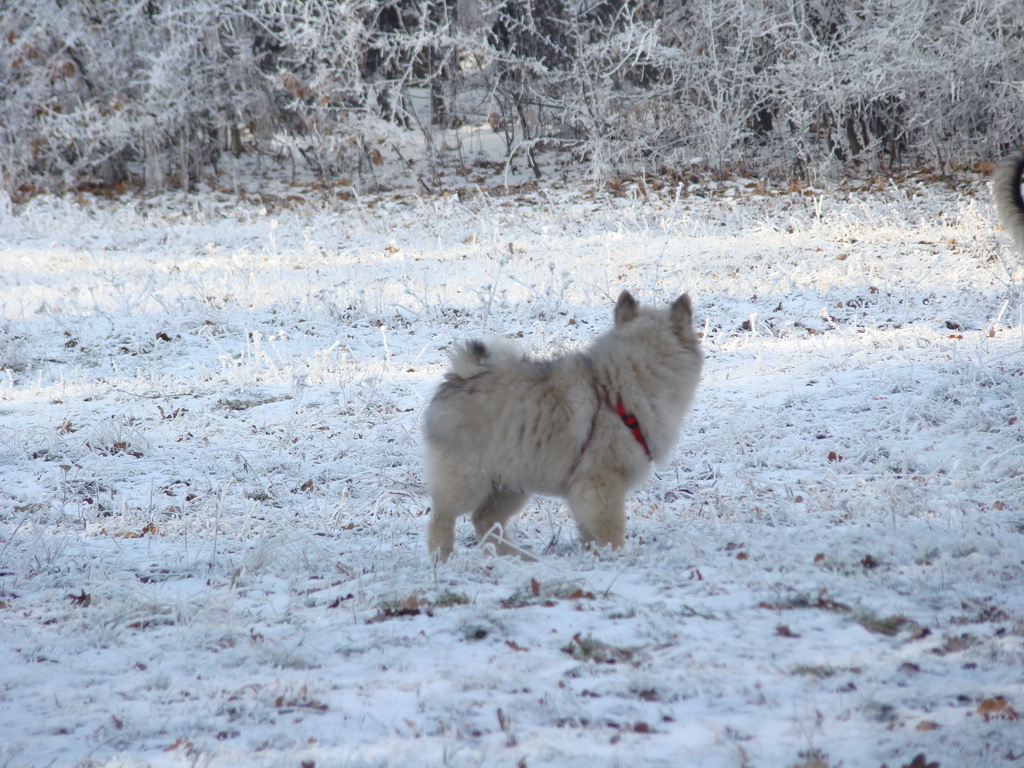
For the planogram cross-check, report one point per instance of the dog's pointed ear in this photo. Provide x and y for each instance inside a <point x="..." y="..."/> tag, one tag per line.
<point x="625" y="308"/>
<point x="682" y="315"/>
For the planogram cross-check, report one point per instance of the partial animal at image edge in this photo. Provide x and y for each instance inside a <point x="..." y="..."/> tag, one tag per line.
<point x="1007" y="195"/>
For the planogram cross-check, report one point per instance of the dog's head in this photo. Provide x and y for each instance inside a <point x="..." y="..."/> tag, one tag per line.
<point x="680" y="315"/>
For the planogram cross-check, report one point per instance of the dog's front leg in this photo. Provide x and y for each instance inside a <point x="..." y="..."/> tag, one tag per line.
<point x="441" y="532"/>
<point x="599" y="508"/>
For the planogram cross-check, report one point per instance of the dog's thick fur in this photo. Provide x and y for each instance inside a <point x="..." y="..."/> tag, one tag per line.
<point x="1009" y="203"/>
<point x="584" y="426"/>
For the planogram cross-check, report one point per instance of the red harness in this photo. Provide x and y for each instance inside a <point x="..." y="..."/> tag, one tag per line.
<point x="634" y="426"/>
<point x="631" y="422"/>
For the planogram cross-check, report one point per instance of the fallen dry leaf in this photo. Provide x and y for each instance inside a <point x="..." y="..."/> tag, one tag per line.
<point x="997" y="708"/>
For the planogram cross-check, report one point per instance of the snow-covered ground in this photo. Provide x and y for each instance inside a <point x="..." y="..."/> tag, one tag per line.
<point x="212" y="506"/>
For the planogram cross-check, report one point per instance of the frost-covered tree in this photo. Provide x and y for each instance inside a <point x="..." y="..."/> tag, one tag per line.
<point x="154" y="92"/>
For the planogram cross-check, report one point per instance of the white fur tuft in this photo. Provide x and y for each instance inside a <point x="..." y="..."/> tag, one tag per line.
<point x="471" y="358"/>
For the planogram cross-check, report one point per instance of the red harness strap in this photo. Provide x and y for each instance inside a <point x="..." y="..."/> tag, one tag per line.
<point x="634" y="426"/>
<point x="628" y="419"/>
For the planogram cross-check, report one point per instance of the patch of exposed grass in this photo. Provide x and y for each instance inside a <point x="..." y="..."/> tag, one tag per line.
<point x="591" y="649"/>
<point x="449" y="599"/>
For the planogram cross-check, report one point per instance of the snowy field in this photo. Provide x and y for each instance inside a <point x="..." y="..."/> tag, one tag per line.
<point x="212" y="506"/>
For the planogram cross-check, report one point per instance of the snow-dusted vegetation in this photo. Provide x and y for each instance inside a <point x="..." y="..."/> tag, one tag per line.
<point x="158" y="93"/>
<point x="212" y="513"/>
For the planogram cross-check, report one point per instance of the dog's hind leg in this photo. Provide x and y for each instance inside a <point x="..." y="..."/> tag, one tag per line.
<point x="450" y="497"/>
<point x="491" y="519"/>
<point x="599" y="509"/>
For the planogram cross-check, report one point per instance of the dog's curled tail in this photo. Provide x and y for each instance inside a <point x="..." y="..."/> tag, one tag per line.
<point x="471" y="358"/>
<point x="1009" y="203"/>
